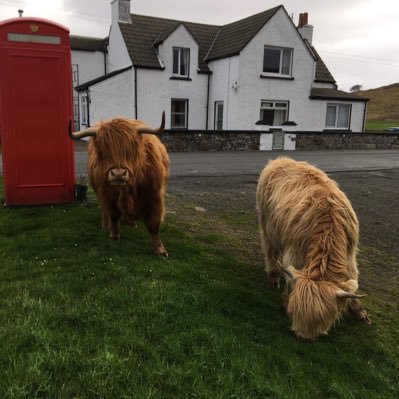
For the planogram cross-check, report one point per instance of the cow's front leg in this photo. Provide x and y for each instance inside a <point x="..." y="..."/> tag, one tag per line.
<point x="152" y="223"/>
<point x="114" y="224"/>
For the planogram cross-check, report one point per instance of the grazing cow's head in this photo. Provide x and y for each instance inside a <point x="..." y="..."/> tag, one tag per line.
<point x="315" y="305"/>
<point x="117" y="147"/>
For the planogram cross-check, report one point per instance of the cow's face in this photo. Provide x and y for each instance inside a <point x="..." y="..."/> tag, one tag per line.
<point x="315" y="305"/>
<point x="313" y="308"/>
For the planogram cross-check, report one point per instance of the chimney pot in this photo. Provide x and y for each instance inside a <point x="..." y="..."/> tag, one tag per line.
<point x="20" y="12"/>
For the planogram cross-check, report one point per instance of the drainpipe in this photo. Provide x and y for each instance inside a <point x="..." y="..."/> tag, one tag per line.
<point x="88" y="106"/>
<point x="364" y="116"/>
<point x="135" y="93"/>
<point x="207" y="102"/>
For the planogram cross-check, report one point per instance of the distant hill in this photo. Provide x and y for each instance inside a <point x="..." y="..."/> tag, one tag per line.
<point x="383" y="104"/>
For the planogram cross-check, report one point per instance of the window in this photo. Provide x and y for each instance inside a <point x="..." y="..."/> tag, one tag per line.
<point x="338" y="116"/>
<point x="85" y="110"/>
<point x="277" y="61"/>
<point x="179" y="114"/>
<point x="218" y="124"/>
<point x="273" y="113"/>
<point x="181" y="61"/>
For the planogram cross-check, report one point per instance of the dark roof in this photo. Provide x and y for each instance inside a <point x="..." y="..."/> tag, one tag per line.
<point x="323" y="75"/>
<point x="215" y="42"/>
<point x="86" y="85"/>
<point x="232" y="38"/>
<point x="88" y="43"/>
<point x="332" y="94"/>
<point x="144" y="32"/>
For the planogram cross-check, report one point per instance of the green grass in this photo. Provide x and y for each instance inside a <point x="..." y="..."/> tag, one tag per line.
<point x="380" y="125"/>
<point x="85" y="317"/>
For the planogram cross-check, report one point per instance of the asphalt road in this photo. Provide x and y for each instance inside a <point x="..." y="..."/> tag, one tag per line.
<point x="243" y="162"/>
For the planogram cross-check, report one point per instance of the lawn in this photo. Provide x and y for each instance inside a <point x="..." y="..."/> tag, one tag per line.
<point x="378" y="125"/>
<point x="85" y="317"/>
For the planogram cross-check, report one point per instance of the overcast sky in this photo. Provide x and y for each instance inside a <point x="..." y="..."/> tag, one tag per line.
<point x="357" y="39"/>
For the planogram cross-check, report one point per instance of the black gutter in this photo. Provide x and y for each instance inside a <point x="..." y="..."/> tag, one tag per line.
<point x="364" y="116"/>
<point x="135" y="94"/>
<point x="88" y="106"/>
<point x="207" y="103"/>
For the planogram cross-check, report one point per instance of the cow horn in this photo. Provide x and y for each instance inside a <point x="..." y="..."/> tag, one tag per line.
<point x="89" y="132"/>
<point x="157" y="131"/>
<point x="291" y="272"/>
<point x="345" y="294"/>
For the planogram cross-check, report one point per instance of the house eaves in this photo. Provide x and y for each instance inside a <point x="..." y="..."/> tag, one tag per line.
<point x="85" y="43"/>
<point x="337" y="95"/>
<point x="86" y="85"/>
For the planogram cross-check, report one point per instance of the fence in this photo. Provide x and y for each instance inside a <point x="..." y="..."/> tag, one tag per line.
<point x="209" y="140"/>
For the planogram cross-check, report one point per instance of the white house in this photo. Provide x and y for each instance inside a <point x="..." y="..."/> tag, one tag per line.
<point x="261" y="72"/>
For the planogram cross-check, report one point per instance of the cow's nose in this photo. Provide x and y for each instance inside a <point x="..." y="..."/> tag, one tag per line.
<point x="119" y="173"/>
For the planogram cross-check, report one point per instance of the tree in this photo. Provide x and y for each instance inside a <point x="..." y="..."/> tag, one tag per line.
<point x="356" y="88"/>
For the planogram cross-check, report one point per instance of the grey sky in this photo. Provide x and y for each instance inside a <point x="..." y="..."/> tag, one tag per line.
<point x="357" y="39"/>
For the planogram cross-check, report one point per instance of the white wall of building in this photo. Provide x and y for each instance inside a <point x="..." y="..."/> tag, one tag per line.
<point x="155" y="89"/>
<point x="225" y="75"/>
<point x="118" y="56"/>
<point x="91" y="64"/>
<point x="279" y="32"/>
<point x="111" y="98"/>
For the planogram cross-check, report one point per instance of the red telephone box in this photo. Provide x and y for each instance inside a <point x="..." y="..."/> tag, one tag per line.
<point x="35" y="108"/>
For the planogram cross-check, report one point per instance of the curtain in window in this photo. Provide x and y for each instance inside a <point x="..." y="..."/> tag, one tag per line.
<point x="286" y="64"/>
<point x="343" y="116"/>
<point x="184" y="62"/>
<point x="331" y="113"/>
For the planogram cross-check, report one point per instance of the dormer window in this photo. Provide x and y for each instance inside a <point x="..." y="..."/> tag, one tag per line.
<point x="277" y="61"/>
<point x="181" y="61"/>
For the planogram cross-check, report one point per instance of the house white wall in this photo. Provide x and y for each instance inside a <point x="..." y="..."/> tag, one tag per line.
<point x="155" y="89"/>
<point x="225" y="74"/>
<point x="317" y="115"/>
<point x="243" y="106"/>
<point x="112" y="97"/>
<point x="118" y="56"/>
<point x="91" y="64"/>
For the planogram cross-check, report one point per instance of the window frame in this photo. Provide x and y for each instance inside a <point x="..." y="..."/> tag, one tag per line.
<point x="338" y="106"/>
<point x="280" y="73"/>
<point x="172" y="113"/>
<point x="274" y="107"/>
<point x="180" y="52"/>
<point x="84" y="102"/>
<point x="216" y="115"/>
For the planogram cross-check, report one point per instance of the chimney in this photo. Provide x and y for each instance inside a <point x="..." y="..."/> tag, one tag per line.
<point x="20" y="12"/>
<point x="120" y="11"/>
<point x="304" y="28"/>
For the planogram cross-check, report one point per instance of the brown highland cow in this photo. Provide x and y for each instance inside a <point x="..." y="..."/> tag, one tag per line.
<point x="309" y="231"/>
<point x="128" y="169"/>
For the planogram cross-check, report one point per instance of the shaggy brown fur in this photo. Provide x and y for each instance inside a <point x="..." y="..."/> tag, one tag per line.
<point x="129" y="172"/>
<point x="307" y="222"/>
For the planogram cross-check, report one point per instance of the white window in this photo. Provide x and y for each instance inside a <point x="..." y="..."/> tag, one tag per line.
<point x="181" y="61"/>
<point x="85" y="111"/>
<point x="338" y="116"/>
<point x="218" y="124"/>
<point x="273" y="113"/>
<point x="277" y="61"/>
<point x="179" y="114"/>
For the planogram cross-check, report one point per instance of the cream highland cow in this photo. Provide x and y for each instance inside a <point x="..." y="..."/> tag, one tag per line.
<point x="309" y="232"/>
